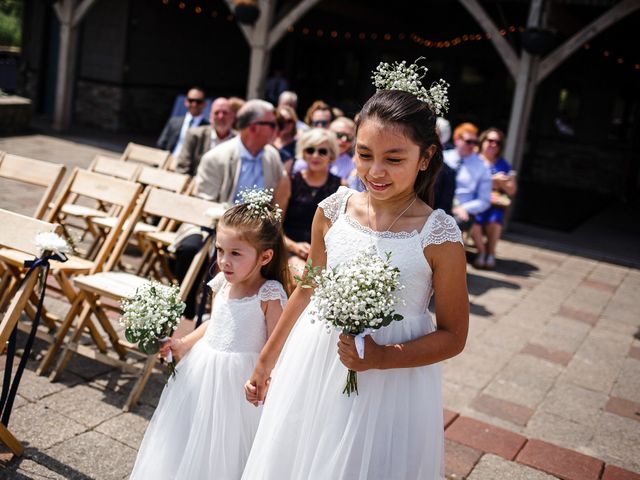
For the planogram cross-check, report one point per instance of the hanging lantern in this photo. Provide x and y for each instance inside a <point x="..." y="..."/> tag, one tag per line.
<point x="246" y="11"/>
<point x="538" y="41"/>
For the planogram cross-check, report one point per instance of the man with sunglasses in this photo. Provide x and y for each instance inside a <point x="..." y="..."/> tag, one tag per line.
<point x="473" y="178"/>
<point x="173" y="134"/>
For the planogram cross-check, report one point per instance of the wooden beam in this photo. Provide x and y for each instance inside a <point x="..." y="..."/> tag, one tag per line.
<point x="278" y="31"/>
<point x="505" y="50"/>
<point x="568" y="48"/>
<point x="80" y="11"/>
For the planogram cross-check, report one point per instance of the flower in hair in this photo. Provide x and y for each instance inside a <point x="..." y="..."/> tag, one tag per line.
<point x="399" y="76"/>
<point x="259" y="203"/>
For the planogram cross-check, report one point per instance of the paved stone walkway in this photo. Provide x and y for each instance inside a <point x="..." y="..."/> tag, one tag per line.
<point x="547" y="387"/>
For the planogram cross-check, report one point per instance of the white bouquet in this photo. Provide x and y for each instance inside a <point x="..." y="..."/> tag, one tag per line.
<point x="151" y="316"/>
<point x="356" y="298"/>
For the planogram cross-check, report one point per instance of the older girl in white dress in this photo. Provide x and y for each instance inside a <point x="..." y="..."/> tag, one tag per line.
<point x="393" y="429"/>
<point x="203" y="428"/>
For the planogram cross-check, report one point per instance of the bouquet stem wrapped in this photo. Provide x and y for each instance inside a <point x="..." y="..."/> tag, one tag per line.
<point x="356" y="298"/>
<point x="151" y="316"/>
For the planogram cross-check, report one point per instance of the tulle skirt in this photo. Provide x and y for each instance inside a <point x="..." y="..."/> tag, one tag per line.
<point x="392" y="430"/>
<point x="203" y="427"/>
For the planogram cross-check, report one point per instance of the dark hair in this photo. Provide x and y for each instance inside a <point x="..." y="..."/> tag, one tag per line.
<point x="263" y="232"/>
<point x="417" y="121"/>
<point x="485" y="134"/>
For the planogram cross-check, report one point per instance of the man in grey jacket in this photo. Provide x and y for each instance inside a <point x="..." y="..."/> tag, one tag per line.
<point x="245" y="161"/>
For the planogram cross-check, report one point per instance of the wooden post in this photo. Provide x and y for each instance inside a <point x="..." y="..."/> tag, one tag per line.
<point x="262" y="38"/>
<point x="69" y="18"/>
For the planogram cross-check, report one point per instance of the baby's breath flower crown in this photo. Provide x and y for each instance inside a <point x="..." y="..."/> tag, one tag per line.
<point x="399" y="76"/>
<point x="259" y="203"/>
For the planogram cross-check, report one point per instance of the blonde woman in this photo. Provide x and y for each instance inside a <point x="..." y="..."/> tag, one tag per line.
<point x="305" y="189"/>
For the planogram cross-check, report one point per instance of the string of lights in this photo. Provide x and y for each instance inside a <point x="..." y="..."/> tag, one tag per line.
<point x="458" y="40"/>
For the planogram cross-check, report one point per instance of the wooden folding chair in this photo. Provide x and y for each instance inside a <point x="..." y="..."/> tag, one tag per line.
<point x="110" y="190"/>
<point x="87" y="210"/>
<point x="33" y="172"/>
<point x="153" y="157"/>
<point x="120" y="285"/>
<point x="17" y="233"/>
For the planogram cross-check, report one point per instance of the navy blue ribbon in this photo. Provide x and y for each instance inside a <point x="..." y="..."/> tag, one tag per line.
<point x="10" y="388"/>
<point x="207" y="278"/>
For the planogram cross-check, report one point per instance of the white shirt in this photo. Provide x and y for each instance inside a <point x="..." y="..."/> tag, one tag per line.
<point x="188" y="122"/>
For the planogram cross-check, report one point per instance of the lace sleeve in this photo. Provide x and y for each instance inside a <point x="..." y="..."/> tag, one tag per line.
<point x="272" y="290"/>
<point x="217" y="282"/>
<point x="332" y="205"/>
<point x="440" y="228"/>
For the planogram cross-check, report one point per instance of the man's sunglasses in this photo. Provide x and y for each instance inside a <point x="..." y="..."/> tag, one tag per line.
<point x="345" y="137"/>
<point x="493" y="140"/>
<point x="195" y="100"/>
<point x="271" y="125"/>
<point x="471" y="142"/>
<point x="323" y="152"/>
<point x="320" y="123"/>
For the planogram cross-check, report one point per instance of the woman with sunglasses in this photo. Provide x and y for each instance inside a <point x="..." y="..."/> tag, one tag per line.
<point x="489" y="223"/>
<point x="345" y="129"/>
<point x="285" y="140"/>
<point x="305" y="189"/>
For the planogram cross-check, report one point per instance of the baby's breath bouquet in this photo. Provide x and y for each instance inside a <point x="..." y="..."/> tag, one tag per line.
<point x="151" y="316"/>
<point x="356" y="298"/>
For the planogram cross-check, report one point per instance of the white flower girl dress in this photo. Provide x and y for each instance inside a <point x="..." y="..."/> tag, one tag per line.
<point x="392" y="430"/>
<point x="203" y="427"/>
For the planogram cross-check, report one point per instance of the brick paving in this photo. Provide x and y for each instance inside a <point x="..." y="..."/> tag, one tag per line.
<point x="547" y="387"/>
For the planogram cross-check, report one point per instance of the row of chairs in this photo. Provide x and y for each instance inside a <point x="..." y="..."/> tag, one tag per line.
<point x="124" y="196"/>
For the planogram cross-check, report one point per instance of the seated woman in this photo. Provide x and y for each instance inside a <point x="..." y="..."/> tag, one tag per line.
<point x="345" y="130"/>
<point x="504" y="186"/>
<point x="305" y="189"/>
<point x="285" y="140"/>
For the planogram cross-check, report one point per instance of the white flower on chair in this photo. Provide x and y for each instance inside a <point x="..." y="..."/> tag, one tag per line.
<point x="52" y="243"/>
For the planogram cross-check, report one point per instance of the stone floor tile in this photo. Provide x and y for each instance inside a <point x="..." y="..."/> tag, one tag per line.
<point x="87" y="405"/>
<point x="25" y="468"/>
<point x="627" y="384"/>
<point x="449" y="417"/>
<point x="470" y="369"/>
<point x="525" y="380"/>
<point x="624" y="408"/>
<point x="485" y="437"/>
<point x="616" y="440"/>
<point x="456" y="396"/>
<point x="496" y="407"/>
<point x="595" y="365"/>
<point x="491" y="467"/>
<point x="33" y="387"/>
<point x="507" y="337"/>
<point x="611" y="472"/>
<point x="621" y="313"/>
<point x="562" y="334"/>
<point x="577" y="314"/>
<point x="128" y="428"/>
<point x="634" y="352"/>
<point x="558" y="461"/>
<point x="80" y="453"/>
<point x="37" y="426"/>
<point x="459" y="459"/>
<point x="574" y="403"/>
<point x="558" y="430"/>
<point x="555" y="356"/>
<point x="598" y="285"/>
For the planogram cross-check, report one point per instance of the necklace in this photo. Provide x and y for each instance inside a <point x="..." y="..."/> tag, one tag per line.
<point x="395" y="220"/>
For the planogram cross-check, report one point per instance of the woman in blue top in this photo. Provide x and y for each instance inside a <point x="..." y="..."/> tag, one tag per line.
<point x="489" y="223"/>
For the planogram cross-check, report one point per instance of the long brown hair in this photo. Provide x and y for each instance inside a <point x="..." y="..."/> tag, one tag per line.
<point x="264" y="232"/>
<point x="419" y="124"/>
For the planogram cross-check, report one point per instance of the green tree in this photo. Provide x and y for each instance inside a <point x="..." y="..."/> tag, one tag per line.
<point x="11" y="22"/>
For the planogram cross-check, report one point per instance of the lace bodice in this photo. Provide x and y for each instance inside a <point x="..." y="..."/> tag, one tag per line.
<point x="347" y="236"/>
<point x="238" y="324"/>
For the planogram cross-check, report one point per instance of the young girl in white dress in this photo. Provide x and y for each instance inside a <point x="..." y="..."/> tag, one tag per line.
<point x="393" y="428"/>
<point x="203" y="427"/>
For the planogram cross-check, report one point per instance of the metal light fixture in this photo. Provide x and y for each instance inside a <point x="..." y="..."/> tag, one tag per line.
<point x="246" y="11"/>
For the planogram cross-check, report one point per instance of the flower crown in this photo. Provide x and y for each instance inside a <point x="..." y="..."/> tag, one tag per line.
<point x="399" y="76"/>
<point x="259" y="203"/>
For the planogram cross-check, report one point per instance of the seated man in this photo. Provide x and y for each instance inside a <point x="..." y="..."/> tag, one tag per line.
<point x="245" y="161"/>
<point x="473" y="178"/>
<point x="173" y="134"/>
<point x="200" y="140"/>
